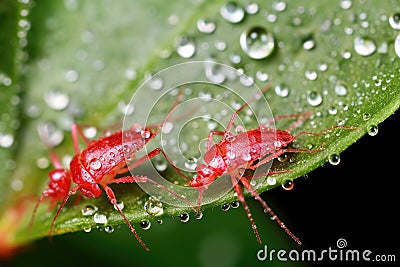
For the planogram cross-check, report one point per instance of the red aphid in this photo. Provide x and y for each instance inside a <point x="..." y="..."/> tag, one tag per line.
<point x="235" y="153"/>
<point x="97" y="166"/>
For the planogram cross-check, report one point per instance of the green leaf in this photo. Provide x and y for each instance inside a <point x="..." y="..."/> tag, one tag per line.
<point x="86" y="60"/>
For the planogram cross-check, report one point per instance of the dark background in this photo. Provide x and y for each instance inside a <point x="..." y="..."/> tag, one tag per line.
<point x="355" y="200"/>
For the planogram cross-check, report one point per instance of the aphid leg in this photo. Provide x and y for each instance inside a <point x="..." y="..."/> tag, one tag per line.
<point x="210" y="137"/>
<point x="41" y="198"/>
<point x="150" y="155"/>
<point x="76" y="131"/>
<point x="144" y="179"/>
<point x="70" y="193"/>
<point x="325" y="131"/>
<point x="113" y="201"/>
<point x="267" y="209"/>
<point x="245" y="105"/>
<point x="240" y="197"/>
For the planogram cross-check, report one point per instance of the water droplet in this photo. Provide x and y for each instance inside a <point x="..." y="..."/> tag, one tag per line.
<point x="235" y="204"/>
<point x="332" y="110"/>
<point x="198" y="215"/>
<point x="94" y="164"/>
<point x="71" y="76"/>
<point x="311" y="75"/>
<point x="232" y="12"/>
<point x="160" y="165"/>
<point x="287" y="184"/>
<point x="130" y="74"/>
<point x="271" y="181"/>
<point x="6" y="140"/>
<point x="205" y="26"/>
<point x="314" y="98"/>
<point x="257" y="42"/>
<point x="394" y="21"/>
<point x="145" y="133"/>
<point x="153" y="207"/>
<point x="246" y="157"/>
<point x="282" y="90"/>
<point x="372" y="130"/>
<point x="89" y="210"/>
<point x="397" y="45"/>
<point x="185" y="47"/>
<point x="100" y="218"/>
<point x="334" y="159"/>
<point x="366" y="116"/>
<point x="90" y="132"/>
<point x="340" y="89"/>
<point x="191" y="164"/>
<point x="167" y="127"/>
<point x="225" y="207"/>
<point x="279" y="5"/>
<point x="364" y="46"/>
<point x="109" y="229"/>
<point x="309" y="44"/>
<point x="252" y="8"/>
<point x="119" y="205"/>
<point x="184" y="217"/>
<point x="154" y="82"/>
<point x="126" y="109"/>
<point x="145" y="224"/>
<point x="87" y="229"/>
<point x="56" y="99"/>
<point x="160" y="221"/>
<point x="345" y="4"/>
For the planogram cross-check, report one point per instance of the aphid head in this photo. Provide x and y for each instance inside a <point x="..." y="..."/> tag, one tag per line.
<point x="283" y="139"/>
<point x="59" y="184"/>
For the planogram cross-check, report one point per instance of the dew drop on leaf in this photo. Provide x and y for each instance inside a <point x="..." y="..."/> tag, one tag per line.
<point x="232" y="12"/>
<point x="372" y="130"/>
<point x="394" y="21"/>
<point x="364" y="46"/>
<point x="314" y="98"/>
<point x="185" y="47"/>
<point x="257" y="42"/>
<point x="184" y="217"/>
<point x="205" y="26"/>
<point x="287" y="184"/>
<point x="145" y="224"/>
<point x="334" y="159"/>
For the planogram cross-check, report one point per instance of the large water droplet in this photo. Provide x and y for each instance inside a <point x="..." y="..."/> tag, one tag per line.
<point x="56" y="99"/>
<point x="235" y="204"/>
<point x="184" y="217"/>
<point x="225" y="207"/>
<point x="89" y="210"/>
<point x="146" y="224"/>
<point x="271" y="181"/>
<point x="397" y="45"/>
<point x="372" y="130"/>
<point x="340" y="89"/>
<point x="205" y="26"/>
<point x="109" y="229"/>
<point x="287" y="184"/>
<point x="364" y="46"/>
<point x="153" y="207"/>
<point x="314" y="98"/>
<point x="185" y="47"/>
<point x="257" y="42"/>
<point x="232" y="12"/>
<point x="100" y="218"/>
<point x="334" y="159"/>
<point x="95" y="164"/>
<point x="394" y="21"/>
<point x="155" y="82"/>
<point x="6" y="140"/>
<point x="279" y="5"/>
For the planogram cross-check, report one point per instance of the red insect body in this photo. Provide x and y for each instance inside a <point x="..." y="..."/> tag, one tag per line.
<point x="235" y="153"/>
<point x="97" y="166"/>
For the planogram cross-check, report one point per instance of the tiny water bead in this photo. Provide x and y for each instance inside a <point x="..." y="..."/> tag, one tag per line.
<point x="257" y="42"/>
<point x="89" y="210"/>
<point x="372" y="130"/>
<point x="366" y="116"/>
<point x="287" y="184"/>
<point x="340" y="89"/>
<point x="185" y="47"/>
<point x="109" y="229"/>
<point x="282" y="90"/>
<point x="198" y="215"/>
<point x="225" y="207"/>
<point x="364" y="46"/>
<point x="314" y="98"/>
<point x="232" y="12"/>
<point x="334" y="159"/>
<point x="145" y="224"/>
<point x="235" y="204"/>
<point x="153" y="207"/>
<point x="271" y="181"/>
<point x="184" y="217"/>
